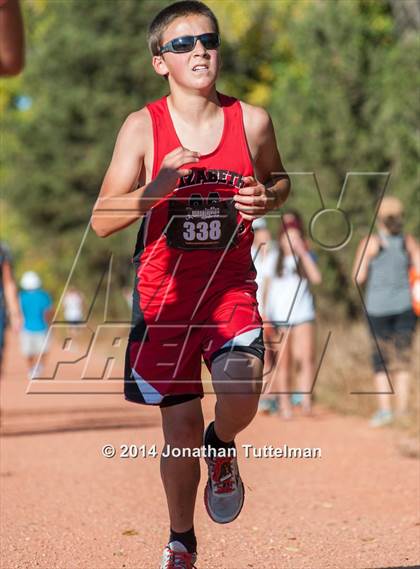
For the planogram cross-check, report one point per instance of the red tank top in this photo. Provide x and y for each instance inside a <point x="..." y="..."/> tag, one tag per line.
<point x="193" y="242"/>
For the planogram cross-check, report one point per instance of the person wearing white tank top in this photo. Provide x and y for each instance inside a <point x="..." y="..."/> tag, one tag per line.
<point x="73" y="309"/>
<point x="73" y="306"/>
<point x="289" y="307"/>
<point x="261" y="248"/>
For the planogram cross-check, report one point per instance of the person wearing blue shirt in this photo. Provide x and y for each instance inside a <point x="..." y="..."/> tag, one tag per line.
<point x="36" y="306"/>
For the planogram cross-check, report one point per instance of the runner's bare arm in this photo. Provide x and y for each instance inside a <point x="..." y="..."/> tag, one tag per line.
<point x="120" y="202"/>
<point x="269" y="168"/>
<point x="272" y="186"/>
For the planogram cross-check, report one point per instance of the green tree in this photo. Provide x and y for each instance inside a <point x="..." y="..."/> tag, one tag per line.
<point x="88" y="68"/>
<point x="344" y="100"/>
<point x="339" y="79"/>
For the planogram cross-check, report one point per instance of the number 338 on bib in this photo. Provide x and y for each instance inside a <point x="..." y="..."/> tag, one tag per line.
<point x="201" y="223"/>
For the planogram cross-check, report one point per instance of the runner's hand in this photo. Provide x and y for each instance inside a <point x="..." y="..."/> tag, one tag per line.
<point x="254" y="199"/>
<point x="171" y="167"/>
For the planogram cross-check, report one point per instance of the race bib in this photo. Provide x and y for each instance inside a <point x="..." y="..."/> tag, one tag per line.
<point x="199" y="222"/>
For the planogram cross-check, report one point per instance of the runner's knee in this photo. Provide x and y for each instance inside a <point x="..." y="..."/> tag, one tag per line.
<point x="237" y="373"/>
<point x="187" y="431"/>
<point x="238" y="409"/>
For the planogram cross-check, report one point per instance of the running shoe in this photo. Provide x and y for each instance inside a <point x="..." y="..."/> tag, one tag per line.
<point x="224" y="493"/>
<point x="381" y="418"/>
<point x="176" y="556"/>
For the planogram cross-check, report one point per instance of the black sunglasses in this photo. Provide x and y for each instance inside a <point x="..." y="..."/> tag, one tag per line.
<point x="187" y="43"/>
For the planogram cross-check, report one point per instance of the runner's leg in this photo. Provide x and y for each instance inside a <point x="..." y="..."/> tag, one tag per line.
<point x="183" y="427"/>
<point x="237" y="381"/>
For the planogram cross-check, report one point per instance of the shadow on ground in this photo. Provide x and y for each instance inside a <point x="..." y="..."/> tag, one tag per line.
<point x="69" y="421"/>
<point x="400" y="567"/>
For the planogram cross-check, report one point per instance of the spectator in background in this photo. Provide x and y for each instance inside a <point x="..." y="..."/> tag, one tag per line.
<point x="383" y="262"/>
<point x="289" y="306"/>
<point x="260" y="248"/>
<point x="12" y="41"/>
<point x="127" y="293"/>
<point x="12" y="60"/>
<point x="9" y="304"/>
<point x="73" y="307"/>
<point x="36" y="308"/>
<point x="73" y="304"/>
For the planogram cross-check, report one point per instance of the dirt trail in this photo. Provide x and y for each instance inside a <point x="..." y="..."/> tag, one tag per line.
<point x="65" y="506"/>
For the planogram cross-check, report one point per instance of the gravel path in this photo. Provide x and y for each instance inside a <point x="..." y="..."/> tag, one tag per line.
<point x="65" y="506"/>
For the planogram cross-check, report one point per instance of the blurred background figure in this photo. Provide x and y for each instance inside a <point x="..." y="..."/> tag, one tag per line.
<point x="260" y="248"/>
<point x="289" y="307"/>
<point x="9" y="303"/>
<point x="382" y="263"/>
<point x="36" y="308"/>
<point x="12" y="41"/>
<point x="73" y="303"/>
<point x="128" y="297"/>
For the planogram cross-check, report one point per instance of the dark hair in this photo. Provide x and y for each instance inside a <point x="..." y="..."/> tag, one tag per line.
<point x="162" y="20"/>
<point x="394" y="224"/>
<point x="296" y="224"/>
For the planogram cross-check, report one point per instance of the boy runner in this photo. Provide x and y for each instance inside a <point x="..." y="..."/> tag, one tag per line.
<point x="197" y="166"/>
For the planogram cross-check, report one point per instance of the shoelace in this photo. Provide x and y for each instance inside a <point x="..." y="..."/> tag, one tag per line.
<point x="223" y="475"/>
<point x="178" y="560"/>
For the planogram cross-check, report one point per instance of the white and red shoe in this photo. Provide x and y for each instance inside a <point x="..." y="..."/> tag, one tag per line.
<point x="176" y="556"/>
<point x="224" y="493"/>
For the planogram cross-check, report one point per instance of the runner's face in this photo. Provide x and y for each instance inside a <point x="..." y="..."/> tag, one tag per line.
<point x="197" y="68"/>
